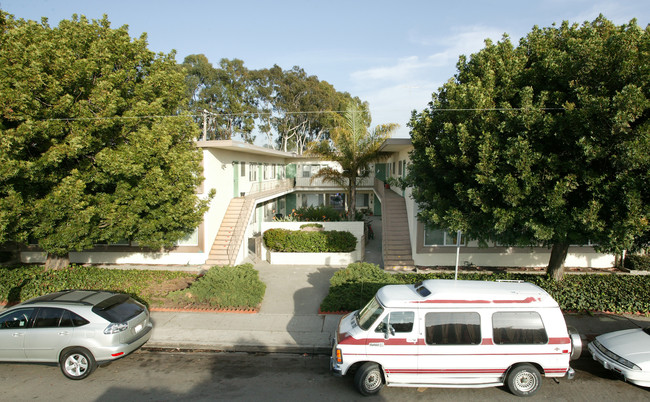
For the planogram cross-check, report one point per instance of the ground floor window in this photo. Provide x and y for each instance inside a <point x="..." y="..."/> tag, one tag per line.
<point x="439" y="237"/>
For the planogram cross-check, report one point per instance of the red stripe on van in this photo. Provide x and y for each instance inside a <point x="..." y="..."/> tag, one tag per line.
<point x="526" y="300"/>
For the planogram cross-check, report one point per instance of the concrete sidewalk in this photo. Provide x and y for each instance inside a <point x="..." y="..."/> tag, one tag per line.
<point x="288" y="320"/>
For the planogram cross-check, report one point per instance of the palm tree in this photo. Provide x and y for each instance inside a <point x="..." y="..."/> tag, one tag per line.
<point x="354" y="147"/>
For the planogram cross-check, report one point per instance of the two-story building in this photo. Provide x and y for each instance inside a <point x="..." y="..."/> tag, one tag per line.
<point x="255" y="184"/>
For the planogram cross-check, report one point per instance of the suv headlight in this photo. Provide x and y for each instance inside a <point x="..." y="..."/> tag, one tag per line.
<point x="116" y="327"/>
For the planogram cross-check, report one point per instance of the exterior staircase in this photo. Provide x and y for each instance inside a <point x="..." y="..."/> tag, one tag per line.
<point x="396" y="241"/>
<point x="229" y="238"/>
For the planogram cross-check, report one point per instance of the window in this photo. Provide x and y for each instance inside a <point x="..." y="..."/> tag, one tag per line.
<point x="71" y="319"/>
<point x="439" y="237"/>
<point x="400" y="321"/>
<point x="363" y="200"/>
<point x="453" y="328"/>
<point x="48" y="317"/>
<point x="252" y="172"/>
<point x="518" y="328"/>
<point x="243" y="169"/>
<point x="191" y="239"/>
<point x="16" y="319"/>
<point x="399" y="168"/>
<point x="369" y="314"/>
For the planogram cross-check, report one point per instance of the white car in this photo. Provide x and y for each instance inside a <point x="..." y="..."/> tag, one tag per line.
<point x="625" y="352"/>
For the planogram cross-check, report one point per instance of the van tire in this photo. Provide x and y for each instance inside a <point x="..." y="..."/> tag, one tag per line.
<point x="369" y="379"/>
<point x="524" y="380"/>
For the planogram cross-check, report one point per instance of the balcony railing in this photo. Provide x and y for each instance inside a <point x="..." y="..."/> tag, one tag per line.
<point x="318" y="182"/>
<point x="270" y="185"/>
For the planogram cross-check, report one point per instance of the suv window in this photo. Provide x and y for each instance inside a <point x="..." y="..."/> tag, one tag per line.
<point x="518" y="328"/>
<point x="463" y="328"/>
<point x="118" y="308"/>
<point x="71" y="319"/>
<point x="48" y="317"/>
<point x="16" y="319"/>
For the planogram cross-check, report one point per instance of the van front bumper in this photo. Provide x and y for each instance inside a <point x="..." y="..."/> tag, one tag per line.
<point x="335" y="369"/>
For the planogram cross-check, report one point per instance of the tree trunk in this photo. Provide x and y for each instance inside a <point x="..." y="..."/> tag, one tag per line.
<point x="352" y="202"/>
<point x="556" y="263"/>
<point x="57" y="261"/>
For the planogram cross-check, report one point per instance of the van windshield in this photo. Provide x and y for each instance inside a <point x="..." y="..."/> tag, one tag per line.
<point x="369" y="314"/>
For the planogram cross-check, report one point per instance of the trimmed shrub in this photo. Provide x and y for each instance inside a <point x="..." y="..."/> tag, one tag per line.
<point x="637" y="262"/>
<point x="297" y="241"/>
<point x="323" y="213"/>
<point x="225" y="287"/>
<point x="353" y="287"/>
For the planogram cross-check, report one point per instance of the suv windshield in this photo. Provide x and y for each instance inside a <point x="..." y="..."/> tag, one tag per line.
<point x="369" y="314"/>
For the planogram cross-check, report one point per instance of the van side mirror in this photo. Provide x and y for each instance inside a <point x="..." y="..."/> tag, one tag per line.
<point x="389" y="331"/>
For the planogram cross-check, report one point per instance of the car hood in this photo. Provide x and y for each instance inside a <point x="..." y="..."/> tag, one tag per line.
<point x="631" y="344"/>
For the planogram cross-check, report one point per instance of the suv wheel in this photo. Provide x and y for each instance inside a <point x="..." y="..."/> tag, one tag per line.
<point x="77" y="363"/>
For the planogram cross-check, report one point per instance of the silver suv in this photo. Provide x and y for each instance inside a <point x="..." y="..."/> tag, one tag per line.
<point x="79" y="329"/>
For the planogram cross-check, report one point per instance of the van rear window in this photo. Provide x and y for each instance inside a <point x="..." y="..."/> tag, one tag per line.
<point x="119" y="308"/>
<point x="518" y="328"/>
<point x="453" y="328"/>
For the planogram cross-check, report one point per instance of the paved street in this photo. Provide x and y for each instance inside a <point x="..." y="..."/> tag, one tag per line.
<point x="151" y="376"/>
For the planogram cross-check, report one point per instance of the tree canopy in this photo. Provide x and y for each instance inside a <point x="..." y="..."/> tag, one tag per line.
<point x="289" y="107"/>
<point x="544" y="143"/>
<point x="354" y="147"/>
<point x="92" y="147"/>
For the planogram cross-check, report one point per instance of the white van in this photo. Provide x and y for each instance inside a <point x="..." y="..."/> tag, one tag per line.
<point x="444" y="333"/>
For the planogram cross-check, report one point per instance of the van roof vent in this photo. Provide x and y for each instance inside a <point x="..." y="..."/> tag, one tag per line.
<point x="421" y="289"/>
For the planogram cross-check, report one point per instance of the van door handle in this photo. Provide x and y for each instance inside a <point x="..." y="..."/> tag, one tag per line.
<point x="17" y="334"/>
<point x="64" y="333"/>
<point x="412" y="340"/>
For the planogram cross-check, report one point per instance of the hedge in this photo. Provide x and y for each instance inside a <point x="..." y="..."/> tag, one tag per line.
<point x="225" y="287"/>
<point x="353" y="287"/>
<point x="21" y="283"/>
<point x="298" y="241"/>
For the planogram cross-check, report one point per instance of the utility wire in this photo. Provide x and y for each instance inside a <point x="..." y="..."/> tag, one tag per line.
<point x="289" y="113"/>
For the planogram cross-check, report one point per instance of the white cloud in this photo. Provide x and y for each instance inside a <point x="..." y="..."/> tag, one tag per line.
<point x="393" y="90"/>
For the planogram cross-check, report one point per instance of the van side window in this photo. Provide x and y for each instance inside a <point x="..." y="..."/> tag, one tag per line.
<point x="401" y="321"/>
<point x="518" y="328"/>
<point x="453" y="328"/>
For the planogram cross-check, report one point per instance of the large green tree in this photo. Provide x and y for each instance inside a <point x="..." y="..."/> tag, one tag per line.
<point x="354" y="146"/>
<point x="92" y="146"/>
<point x="547" y="142"/>
<point x="302" y="108"/>
<point x="225" y="98"/>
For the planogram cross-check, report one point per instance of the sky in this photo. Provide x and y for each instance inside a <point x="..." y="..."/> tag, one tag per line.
<point x="392" y="54"/>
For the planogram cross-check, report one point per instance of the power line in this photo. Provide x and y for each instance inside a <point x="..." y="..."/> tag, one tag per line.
<point x="288" y="113"/>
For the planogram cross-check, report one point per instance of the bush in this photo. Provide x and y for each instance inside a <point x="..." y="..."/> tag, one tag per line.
<point x="226" y="287"/>
<point x="18" y="284"/>
<point x="353" y="287"/>
<point x="323" y="213"/>
<point x="296" y="241"/>
<point x="311" y="225"/>
<point x="637" y="262"/>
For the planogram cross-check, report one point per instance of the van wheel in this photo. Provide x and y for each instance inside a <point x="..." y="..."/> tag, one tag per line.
<point x="77" y="363"/>
<point x="524" y="380"/>
<point x="368" y="379"/>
